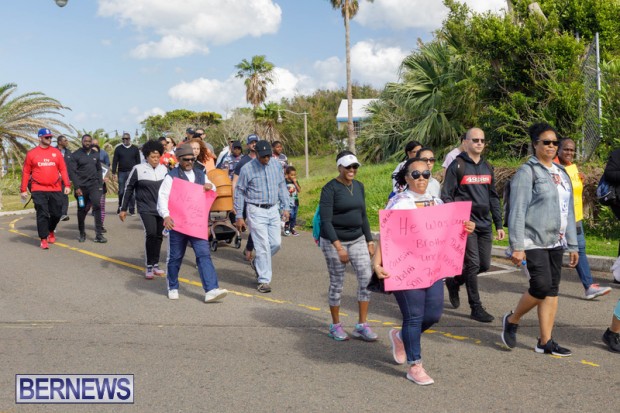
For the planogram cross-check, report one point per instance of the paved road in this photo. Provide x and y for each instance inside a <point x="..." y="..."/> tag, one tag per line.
<point x="85" y="308"/>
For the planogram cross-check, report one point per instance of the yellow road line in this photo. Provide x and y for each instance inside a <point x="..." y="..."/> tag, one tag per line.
<point x="241" y="294"/>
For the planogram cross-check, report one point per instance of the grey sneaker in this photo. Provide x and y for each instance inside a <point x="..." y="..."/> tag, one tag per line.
<point x="264" y="288"/>
<point x="337" y="332"/>
<point x="364" y="332"/>
<point x="596" y="291"/>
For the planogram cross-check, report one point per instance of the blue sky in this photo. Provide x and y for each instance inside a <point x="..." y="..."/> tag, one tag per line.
<point x="114" y="62"/>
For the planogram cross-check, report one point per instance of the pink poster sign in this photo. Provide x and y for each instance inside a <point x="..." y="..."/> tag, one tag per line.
<point x="189" y="205"/>
<point x="421" y="246"/>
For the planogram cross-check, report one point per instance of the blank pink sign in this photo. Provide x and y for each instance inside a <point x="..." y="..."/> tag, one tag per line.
<point x="189" y="205"/>
<point x="421" y="246"/>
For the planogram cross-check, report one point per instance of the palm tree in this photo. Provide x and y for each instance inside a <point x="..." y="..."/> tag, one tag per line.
<point x="257" y="74"/>
<point x="21" y="117"/>
<point x="349" y="9"/>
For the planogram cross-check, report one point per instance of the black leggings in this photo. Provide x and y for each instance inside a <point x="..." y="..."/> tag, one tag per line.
<point x="153" y="227"/>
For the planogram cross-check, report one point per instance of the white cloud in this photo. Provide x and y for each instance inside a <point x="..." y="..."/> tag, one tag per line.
<point x="185" y="27"/>
<point x="371" y="63"/>
<point x="416" y="14"/>
<point x="140" y="116"/>
<point x="211" y="94"/>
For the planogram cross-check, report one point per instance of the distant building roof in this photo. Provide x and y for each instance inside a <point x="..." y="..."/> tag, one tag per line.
<point x="359" y="110"/>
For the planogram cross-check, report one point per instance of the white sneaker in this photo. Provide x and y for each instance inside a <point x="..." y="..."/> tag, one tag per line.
<point x="215" y="294"/>
<point x="173" y="294"/>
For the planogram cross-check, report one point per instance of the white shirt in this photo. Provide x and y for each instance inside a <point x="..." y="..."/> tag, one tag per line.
<point x="164" y="192"/>
<point x="451" y="156"/>
<point x="407" y="200"/>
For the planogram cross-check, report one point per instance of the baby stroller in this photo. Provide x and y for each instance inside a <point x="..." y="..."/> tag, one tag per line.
<point x="221" y="227"/>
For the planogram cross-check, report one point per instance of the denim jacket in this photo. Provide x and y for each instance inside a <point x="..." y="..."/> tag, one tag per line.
<point x="535" y="208"/>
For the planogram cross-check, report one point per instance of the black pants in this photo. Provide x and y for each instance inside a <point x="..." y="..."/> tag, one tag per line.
<point x="92" y="195"/>
<point x="48" y="206"/>
<point x="477" y="260"/>
<point x="153" y="227"/>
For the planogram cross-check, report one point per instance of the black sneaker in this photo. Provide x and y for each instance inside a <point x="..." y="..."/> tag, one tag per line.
<point x="509" y="332"/>
<point x="82" y="238"/>
<point x="101" y="239"/>
<point x="552" y="348"/>
<point x="612" y="340"/>
<point x="480" y="314"/>
<point x="264" y="288"/>
<point x="453" y="292"/>
<point x="103" y="230"/>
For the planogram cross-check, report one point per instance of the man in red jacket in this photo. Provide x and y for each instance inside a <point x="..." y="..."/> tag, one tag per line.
<point x="43" y="173"/>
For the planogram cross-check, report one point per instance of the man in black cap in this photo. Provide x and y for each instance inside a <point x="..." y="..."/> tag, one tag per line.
<point x="261" y="187"/>
<point x="177" y="240"/>
<point x="231" y="160"/>
<point x="126" y="156"/>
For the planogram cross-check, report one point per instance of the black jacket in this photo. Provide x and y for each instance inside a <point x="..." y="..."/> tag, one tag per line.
<point x="85" y="169"/>
<point x="468" y="181"/>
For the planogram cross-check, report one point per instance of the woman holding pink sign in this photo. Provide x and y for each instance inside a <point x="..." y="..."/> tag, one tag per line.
<point x="420" y="308"/>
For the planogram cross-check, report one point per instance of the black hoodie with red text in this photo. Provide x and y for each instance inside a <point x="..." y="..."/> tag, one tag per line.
<point x="466" y="180"/>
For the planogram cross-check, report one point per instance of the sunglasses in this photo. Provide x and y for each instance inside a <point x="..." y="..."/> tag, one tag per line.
<point x="477" y="140"/>
<point x="547" y="142"/>
<point x="353" y="166"/>
<point x="431" y="160"/>
<point x="46" y="137"/>
<point x="188" y="159"/>
<point x="418" y="174"/>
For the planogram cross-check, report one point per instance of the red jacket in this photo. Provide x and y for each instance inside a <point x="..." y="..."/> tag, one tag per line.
<point x="46" y="167"/>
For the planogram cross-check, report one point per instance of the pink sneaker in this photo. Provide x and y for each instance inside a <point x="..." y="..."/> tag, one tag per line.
<point x="149" y="273"/>
<point x="51" y="238"/>
<point x="158" y="271"/>
<point x="418" y="375"/>
<point x="398" y="348"/>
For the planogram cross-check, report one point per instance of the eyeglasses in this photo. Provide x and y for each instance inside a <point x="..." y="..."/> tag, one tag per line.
<point x="547" y="142"/>
<point x="352" y="166"/>
<point x="418" y="174"/>
<point x="427" y="160"/>
<point x="477" y="140"/>
<point x="188" y="159"/>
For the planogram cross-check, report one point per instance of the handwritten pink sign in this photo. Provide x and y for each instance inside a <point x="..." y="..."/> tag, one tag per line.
<point x="189" y="205"/>
<point x="421" y="246"/>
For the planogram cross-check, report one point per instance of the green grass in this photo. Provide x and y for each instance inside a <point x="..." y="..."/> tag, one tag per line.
<point x="378" y="184"/>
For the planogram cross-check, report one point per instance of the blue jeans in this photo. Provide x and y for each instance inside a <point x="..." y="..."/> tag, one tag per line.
<point x="420" y="309"/>
<point x="265" y="231"/>
<point x="177" y="244"/>
<point x="292" y="221"/>
<point x="583" y="266"/>
<point x="122" y="182"/>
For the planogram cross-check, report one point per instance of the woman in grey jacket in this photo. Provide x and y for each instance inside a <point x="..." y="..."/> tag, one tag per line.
<point x="541" y="225"/>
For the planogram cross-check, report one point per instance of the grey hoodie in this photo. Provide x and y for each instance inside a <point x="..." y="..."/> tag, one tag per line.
<point x="535" y="208"/>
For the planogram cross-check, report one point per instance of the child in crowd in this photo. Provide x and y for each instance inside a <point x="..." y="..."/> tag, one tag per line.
<point x="231" y="160"/>
<point x="290" y="175"/>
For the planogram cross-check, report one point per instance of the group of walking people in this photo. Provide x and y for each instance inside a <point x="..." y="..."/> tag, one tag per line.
<point x="544" y="221"/>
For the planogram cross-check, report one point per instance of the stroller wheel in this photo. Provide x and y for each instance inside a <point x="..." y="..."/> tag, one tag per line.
<point x="214" y="245"/>
<point x="238" y="242"/>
